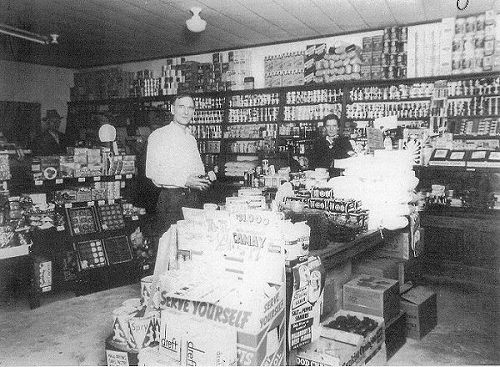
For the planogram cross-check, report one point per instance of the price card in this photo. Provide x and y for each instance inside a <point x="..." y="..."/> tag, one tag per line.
<point x="101" y="202"/>
<point x="59" y="181"/>
<point x="68" y="205"/>
<point x="118" y="177"/>
<point x="97" y="178"/>
<point x="38" y="182"/>
<point x="470" y="169"/>
<point x="81" y="179"/>
<point x="90" y="203"/>
<point x="128" y="176"/>
<point x="135" y="217"/>
<point x="122" y="184"/>
<point x="60" y="228"/>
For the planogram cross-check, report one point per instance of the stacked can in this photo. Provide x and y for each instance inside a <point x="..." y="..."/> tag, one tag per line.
<point x="394" y="52"/>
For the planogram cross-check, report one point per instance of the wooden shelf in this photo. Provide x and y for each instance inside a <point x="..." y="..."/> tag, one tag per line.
<point x="474" y="95"/>
<point x="252" y="123"/>
<point x="416" y="99"/>
<point x="472" y="116"/>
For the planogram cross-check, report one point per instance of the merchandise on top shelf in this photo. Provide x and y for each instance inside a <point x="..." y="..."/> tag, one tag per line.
<point x="314" y="96"/>
<point x="284" y="70"/>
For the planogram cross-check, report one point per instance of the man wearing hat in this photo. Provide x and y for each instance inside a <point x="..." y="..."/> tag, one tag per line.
<point x="50" y="141"/>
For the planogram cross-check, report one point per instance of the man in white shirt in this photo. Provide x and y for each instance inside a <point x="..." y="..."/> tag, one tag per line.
<point x="174" y="164"/>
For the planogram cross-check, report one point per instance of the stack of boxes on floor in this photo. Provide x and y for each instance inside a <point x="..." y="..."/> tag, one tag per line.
<point x="388" y="309"/>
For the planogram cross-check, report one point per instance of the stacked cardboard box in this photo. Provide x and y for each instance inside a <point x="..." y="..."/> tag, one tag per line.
<point x="284" y="69"/>
<point x="420" y="305"/>
<point x="394" y="53"/>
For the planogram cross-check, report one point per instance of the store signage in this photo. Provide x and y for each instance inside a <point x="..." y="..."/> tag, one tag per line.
<point x="223" y="315"/>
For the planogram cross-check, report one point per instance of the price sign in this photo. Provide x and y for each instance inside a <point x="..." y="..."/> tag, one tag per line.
<point x="38" y="182"/>
<point x="68" y="205"/>
<point x="135" y="217"/>
<point x="128" y="176"/>
<point x="118" y="177"/>
<point x="81" y="179"/>
<point x="122" y="184"/>
<point x="60" y="228"/>
<point x="97" y="178"/>
<point x="101" y="202"/>
<point x="90" y="203"/>
<point x="59" y="181"/>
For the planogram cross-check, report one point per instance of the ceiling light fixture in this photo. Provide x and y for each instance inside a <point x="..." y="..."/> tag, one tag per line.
<point x="195" y="23"/>
<point x="29" y="36"/>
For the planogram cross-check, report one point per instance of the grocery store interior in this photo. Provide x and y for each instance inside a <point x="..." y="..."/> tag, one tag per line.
<point x="372" y="242"/>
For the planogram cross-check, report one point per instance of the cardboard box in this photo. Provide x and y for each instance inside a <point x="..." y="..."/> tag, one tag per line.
<point x="334" y="281"/>
<point x="116" y="356"/>
<point x="373" y="296"/>
<point x="260" y="331"/>
<point x="395" y="334"/>
<point x="324" y="352"/>
<point x="420" y="305"/>
<point x="365" y="346"/>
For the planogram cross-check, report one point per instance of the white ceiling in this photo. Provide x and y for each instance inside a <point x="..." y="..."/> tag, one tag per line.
<point x="99" y="32"/>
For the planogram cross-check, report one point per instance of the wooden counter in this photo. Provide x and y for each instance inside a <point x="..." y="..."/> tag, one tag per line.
<point x="337" y="253"/>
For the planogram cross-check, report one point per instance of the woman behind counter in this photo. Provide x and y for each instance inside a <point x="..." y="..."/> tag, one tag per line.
<point x="333" y="145"/>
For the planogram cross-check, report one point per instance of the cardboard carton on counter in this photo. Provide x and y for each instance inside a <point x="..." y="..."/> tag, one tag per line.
<point x="373" y="296"/>
<point x="420" y="305"/>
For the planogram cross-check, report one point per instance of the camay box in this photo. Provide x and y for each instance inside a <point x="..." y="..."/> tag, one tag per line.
<point x="420" y="305"/>
<point x="373" y="296"/>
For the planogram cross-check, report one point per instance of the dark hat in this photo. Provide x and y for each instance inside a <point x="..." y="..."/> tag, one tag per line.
<point x="52" y="114"/>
